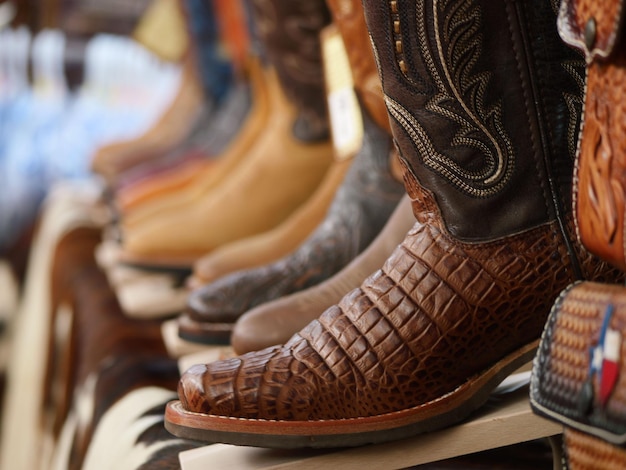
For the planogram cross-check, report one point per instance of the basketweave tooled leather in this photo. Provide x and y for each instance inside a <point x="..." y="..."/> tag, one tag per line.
<point x="584" y="452"/>
<point x="599" y="192"/>
<point x="349" y="18"/>
<point x="290" y="32"/>
<point x="441" y="309"/>
<point x="563" y="386"/>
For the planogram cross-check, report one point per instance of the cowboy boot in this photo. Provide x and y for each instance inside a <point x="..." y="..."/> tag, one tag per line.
<point x="484" y="102"/>
<point x="292" y="153"/>
<point x="221" y="121"/>
<point x="264" y="249"/>
<point x="360" y="209"/>
<point x="270" y="246"/>
<point x="276" y="321"/>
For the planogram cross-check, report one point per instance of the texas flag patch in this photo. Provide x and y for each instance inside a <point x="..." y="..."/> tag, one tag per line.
<point x="605" y="358"/>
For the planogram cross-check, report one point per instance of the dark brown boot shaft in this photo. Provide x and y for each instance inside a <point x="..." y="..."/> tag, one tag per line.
<point x="485" y="101"/>
<point x="289" y="31"/>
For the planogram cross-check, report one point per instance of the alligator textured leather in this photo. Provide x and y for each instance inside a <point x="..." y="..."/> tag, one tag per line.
<point x="438" y="313"/>
<point x="485" y="102"/>
<point x="275" y="322"/>
<point x="566" y="388"/>
<point x="600" y="191"/>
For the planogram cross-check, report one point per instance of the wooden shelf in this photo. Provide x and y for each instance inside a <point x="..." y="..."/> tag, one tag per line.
<point x="505" y="420"/>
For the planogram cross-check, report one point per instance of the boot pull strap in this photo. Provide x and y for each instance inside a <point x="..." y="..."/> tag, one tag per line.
<point x="592" y="26"/>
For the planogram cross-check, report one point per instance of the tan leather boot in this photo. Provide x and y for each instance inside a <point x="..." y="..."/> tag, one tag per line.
<point x="208" y="74"/>
<point x="269" y="246"/>
<point x="485" y="103"/>
<point x="273" y="245"/>
<point x="209" y="143"/>
<point x="154" y="194"/>
<point x="286" y="164"/>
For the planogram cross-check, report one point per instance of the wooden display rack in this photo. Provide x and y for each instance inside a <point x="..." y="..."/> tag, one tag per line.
<point x="505" y="420"/>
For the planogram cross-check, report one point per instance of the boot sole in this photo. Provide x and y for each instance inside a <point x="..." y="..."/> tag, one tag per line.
<point x="182" y="264"/>
<point x="209" y="333"/>
<point x="436" y="414"/>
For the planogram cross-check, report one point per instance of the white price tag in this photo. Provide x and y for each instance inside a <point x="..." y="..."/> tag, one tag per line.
<point x="343" y="106"/>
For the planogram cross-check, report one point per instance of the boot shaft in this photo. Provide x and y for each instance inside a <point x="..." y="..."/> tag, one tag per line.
<point x="485" y="103"/>
<point x="289" y="31"/>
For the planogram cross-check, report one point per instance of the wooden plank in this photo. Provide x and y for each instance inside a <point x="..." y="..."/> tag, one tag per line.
<point x="504" y="420"/>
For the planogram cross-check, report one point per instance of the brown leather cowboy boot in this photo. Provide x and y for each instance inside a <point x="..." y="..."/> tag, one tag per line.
<point x="485" y="104"/>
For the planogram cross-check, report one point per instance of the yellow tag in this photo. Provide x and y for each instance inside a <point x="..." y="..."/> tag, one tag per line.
<point x="346" y="120"/>
<point x="163" y="30"/>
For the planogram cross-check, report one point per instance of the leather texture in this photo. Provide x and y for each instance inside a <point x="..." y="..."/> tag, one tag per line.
<point x="485" y="102"/>
<point x="599" y="194"/>
<point x="587" y="452"/>
<point x="276" y="176"/>
<point x="437" y="313"/>
<point x="569" y="385"/>
<point x="472" y="283"/>
<point x="275" y="322"/>
<point x="289" y="31"/>
<point x="591" y="26"/>
<point x="361" y="207"/>
<point x="348" y="17"/>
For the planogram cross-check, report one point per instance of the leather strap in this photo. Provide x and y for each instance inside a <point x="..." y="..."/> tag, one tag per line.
<point x="600" y="188"/>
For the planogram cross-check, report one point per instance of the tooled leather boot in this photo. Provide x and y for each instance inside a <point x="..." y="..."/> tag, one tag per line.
<point x="484" y="102"/>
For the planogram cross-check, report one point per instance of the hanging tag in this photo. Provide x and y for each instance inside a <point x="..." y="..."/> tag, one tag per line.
<point x="343" y="106"/>
<point x="163" y="30"/>
<point x="47" y="59"/>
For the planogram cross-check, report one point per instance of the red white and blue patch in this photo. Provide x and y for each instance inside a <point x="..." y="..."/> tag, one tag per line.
<point x="605" y="358"/>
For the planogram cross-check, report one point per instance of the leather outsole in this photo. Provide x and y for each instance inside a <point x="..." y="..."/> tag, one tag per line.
<point x="213" y="333"/>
